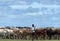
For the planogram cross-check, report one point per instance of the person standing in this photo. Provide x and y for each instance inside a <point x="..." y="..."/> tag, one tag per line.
<point x="33" y="32"/>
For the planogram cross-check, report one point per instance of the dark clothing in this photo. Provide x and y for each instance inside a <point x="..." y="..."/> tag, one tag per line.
<point x="33" y="35"/>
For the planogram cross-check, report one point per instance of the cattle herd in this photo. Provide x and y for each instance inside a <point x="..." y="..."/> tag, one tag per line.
<point x="26" y="33"/>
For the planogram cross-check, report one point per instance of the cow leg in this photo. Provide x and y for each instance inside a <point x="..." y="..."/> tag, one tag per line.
<point x="49" y="37"/>
<point x="58" y="37"/>
<point x="43" y="37"/>
<point x="9" y="35"/>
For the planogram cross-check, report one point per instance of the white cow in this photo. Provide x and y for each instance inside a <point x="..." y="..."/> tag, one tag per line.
<point x="10" y="33"/>
<point x="3" y="33"/>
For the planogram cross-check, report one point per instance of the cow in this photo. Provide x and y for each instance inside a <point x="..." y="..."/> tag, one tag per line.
<point x="26" y="32"/>
<point x="22" y="33"/>
<point x="3" y="33"/>
<point x="58" y="33"/>
<point x="50" y="31"/>
<point x="40" y="33"/>
<point x="9" y="33"/>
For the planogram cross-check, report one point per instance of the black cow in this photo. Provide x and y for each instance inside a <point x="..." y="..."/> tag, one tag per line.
<point x="50" y="33"/>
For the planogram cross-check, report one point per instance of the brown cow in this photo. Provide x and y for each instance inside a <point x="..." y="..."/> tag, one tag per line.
<point x="26" y="32"/>
<point x="23" y="33"/>
<point x="40" y="33"/>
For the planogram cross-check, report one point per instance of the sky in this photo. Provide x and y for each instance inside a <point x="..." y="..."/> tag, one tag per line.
<point x="41" y="13"/>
